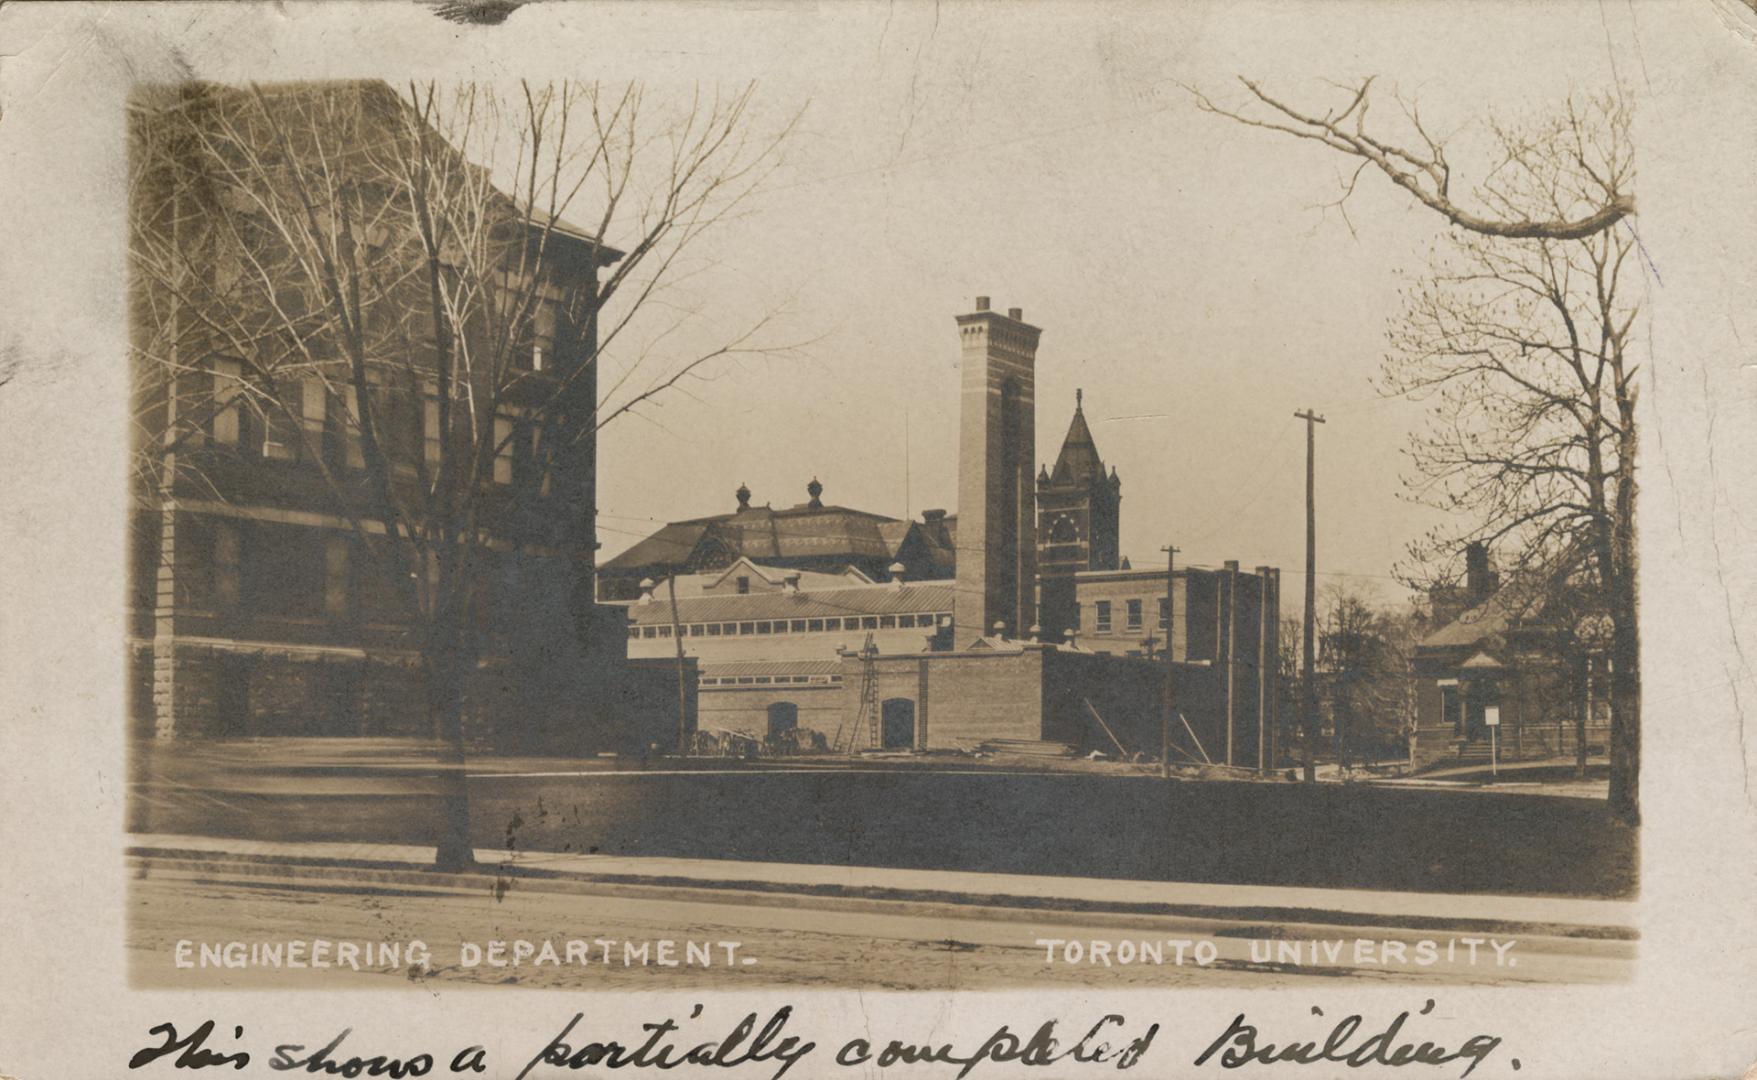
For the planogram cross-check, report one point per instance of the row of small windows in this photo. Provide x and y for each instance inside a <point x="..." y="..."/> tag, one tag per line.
<point x="791" y="626"/>
<point x="769" y="680"/>
<point x="1132" y="615"/>
<point x="284" y="433"/>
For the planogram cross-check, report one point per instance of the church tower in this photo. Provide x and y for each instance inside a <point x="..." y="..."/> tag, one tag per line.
<point x="997" y="517"/>
<point x="1078" y="522"/>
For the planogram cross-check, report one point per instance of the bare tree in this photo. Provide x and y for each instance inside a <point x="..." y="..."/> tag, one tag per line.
<point x="1524" y="350"/>
<point x="1365" y="651"/>
<point x="335" y="274"/>
<point x="1422" y="168"/>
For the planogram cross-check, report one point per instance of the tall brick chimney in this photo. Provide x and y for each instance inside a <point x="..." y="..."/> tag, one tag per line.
<point x="997" y="505"/>
<point x="1479" y="580"/>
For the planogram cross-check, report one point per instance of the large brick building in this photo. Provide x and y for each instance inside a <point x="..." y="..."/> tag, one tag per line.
<point x="957" y="660"/>
<point x="267" y="595"/>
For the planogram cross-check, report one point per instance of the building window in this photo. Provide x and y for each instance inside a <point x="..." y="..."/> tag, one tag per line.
<point x="634" y="631"/>
<point x="799" y="626"/>
<point x="313" y="410"/>
<point x="542" y="332"/>
<point x="280" y="432"/>
<point x="227" y="408"/>
<point x="1103" y="616"/>
<point x="869" y="622"/>
<point x="285" y="571"/>
<point x="1134" y="622"/>
<point x="814" y="624"/>
<point x="729" y="629"/>
<point x="695" y="629"/>
<point x="503" y="444"/>
<point x="747" y="628"/>
<point x="780" y="626"/>
<point x="743" y="586"/>
<point x="1164" y="614"/>
<point x="351" y="448"/>
<point x="649" y="631"/>
<point x="226" y="566"/>
<point x="762" y="680"/>
<point x="431" y="444"/>
<point x="337" y="573"/>
<point x="665" y="631"/>
<point x="887" y="622"/>
<point x="713" y="629"/>
<point x="762" y="628"/>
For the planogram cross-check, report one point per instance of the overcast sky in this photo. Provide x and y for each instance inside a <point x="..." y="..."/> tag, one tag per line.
<point x="1177" y="263"/>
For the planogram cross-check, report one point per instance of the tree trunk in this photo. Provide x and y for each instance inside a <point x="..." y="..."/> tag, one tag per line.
<point x="1625" y="748"/>
<point x="445" y="707"/>
<point x="1584" y="698"/>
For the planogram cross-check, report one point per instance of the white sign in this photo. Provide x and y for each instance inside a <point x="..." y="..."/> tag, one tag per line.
<point x="1491" y="715"/>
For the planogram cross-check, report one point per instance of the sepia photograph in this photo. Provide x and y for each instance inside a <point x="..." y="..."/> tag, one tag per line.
<point x="957" y="499"/>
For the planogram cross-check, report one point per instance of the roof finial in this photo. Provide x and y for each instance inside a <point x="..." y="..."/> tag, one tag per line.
<point x="814" y="489"/>
<point x="1079" y="397"/>
<point x="743" y="494"/>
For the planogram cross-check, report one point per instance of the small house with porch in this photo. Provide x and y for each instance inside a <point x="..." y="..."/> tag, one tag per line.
<point x="1510" y="656"/>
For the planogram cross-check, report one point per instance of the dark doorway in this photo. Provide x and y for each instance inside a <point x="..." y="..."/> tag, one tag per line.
<point x="897" y="728"/>
<point x="783" y="718"/>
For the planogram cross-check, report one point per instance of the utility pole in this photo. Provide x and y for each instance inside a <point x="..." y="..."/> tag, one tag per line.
<point x="1308" y="686"/>
<point x="1165" y="720"/>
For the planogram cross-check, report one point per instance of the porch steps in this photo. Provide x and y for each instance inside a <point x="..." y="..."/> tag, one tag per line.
<point x="1477" y="752"/>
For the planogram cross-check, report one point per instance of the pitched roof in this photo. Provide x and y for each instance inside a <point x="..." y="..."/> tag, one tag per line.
<point x="1078" y="462"/>
<point x="764" y="534"/>
<point x="932" y="597"/>
<point x="672" y="545"/>
<point x="1486" y="620"/>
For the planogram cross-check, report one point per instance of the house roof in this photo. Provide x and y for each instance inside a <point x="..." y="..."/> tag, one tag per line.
<point x="672" y="545"/>
<point x="1486" y="620"/>
<point x="934" y="597"/>
<point x="808" y="530"/>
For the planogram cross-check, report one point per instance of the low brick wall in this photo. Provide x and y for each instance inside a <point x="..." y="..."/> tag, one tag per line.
<point x="745" y="709"/>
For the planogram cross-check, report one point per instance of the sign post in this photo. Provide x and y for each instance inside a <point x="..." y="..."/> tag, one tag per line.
<point x="1491" y="716"/>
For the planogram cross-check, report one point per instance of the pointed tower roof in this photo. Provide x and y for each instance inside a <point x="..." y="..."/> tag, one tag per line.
<point x="1078" y="462"/>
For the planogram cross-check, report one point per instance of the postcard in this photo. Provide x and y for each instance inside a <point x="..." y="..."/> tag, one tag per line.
<point x="879" y="540"/>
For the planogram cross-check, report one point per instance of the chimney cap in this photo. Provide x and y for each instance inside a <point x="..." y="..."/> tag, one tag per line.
<point x="982" y="303"/>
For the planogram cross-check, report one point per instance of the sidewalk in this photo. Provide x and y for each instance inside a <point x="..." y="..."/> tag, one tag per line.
<point x="730" y="881"/>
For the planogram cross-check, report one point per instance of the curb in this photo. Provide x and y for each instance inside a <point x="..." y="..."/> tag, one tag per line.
<point x="382" y="877"/>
